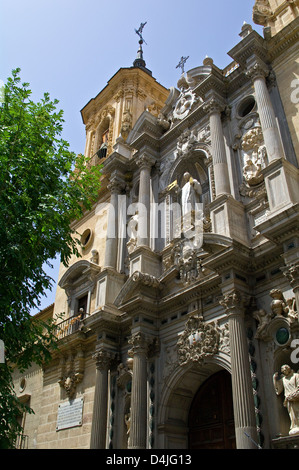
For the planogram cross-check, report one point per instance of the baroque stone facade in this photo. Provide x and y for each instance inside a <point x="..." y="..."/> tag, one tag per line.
<point x="184" y="305"/>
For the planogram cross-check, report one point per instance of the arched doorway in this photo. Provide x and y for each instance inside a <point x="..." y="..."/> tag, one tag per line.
<point x="211" y="419"/>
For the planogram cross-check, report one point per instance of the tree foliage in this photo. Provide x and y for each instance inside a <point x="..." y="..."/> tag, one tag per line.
<point x="43" y="188"/>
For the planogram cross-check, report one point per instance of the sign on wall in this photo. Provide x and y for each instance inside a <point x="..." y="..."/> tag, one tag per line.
<point x="70" y="414"/>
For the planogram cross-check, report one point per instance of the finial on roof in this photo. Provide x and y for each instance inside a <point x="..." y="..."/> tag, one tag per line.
<point x="246" y="29"/>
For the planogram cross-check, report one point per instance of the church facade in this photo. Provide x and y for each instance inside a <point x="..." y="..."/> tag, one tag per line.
<point x="181" y="316"/>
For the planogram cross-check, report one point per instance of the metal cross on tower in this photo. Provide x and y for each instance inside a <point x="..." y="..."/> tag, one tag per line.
<point x="182" y="63"/>
<point x="139" y="32"/>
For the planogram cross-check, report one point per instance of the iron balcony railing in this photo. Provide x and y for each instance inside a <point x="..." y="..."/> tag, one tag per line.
<point x="69" y="326"/>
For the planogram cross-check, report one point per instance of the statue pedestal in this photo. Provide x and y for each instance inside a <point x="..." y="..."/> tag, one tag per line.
<point x="228" y="218"/>
<point x="281" y="179"/>
<point x="146" y="261"/>
<point x="287" y="442"/>
<point x="109" y="284"/>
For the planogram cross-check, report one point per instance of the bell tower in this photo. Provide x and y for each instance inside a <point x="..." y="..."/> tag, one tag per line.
<point x="115" y="110"/>
<point x="275" y="14"/>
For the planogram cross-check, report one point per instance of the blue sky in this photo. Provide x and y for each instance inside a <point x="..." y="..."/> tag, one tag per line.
<point x="71" y="48"/>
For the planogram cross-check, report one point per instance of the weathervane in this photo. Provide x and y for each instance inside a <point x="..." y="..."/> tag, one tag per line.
<point x="182" y="63"/>
<point x="139" y="32"/>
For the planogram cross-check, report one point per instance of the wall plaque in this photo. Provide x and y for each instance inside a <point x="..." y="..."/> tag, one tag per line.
<point x="70" y="414"/>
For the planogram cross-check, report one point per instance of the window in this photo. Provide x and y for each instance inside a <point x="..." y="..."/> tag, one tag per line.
<point x="246" y="106"/>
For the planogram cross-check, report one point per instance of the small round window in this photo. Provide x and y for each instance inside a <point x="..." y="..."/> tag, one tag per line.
<point x="282" y="336"/>
<point x="86" y="237"/>
<point x="246" y="106"/>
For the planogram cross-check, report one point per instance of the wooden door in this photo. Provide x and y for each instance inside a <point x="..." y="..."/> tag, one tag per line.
<point x="211" y="419"/>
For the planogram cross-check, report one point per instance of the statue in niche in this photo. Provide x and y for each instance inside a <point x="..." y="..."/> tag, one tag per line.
<point x="190" y="193"/>
<point x="254" y="156"/>
<point x="132" y="232"/>
<point x="289" y="383"/>
<point x="126" y="124"/>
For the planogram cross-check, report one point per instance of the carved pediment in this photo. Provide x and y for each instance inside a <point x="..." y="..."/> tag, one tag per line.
<point x="133" y="285"/>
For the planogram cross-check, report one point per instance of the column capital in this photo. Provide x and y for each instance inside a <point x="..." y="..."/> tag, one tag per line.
<point x="116" y="183"/>
<point x="214" y="105"/>
<point x="145" y="161"/>
<point x="233" y="303"/>
<point x="257" y="69"/>
<point x="104" y="359"/>
<point x="139" y="344"/>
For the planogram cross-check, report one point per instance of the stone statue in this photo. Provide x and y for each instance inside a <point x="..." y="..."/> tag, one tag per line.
<point x="190" y="195"/>
<point x="289" y="383"/>
<point x="291" y="308"/>
<point x="132" y="233"/>
<point x="278" y="305"/>
<point x="263" y="319"/>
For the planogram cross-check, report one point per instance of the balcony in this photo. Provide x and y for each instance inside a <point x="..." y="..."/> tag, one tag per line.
<point x="70" y="325"/>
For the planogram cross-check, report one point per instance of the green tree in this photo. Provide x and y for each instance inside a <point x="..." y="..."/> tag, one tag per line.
<point x="43" y="188"/>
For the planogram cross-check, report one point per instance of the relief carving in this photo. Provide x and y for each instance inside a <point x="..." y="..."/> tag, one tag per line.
<point x="261" y="12"/>
<point x="254" y="156"/>
<point x="71" y="372"/>
<point x="184" y="103"/>
<point x="198" y="342"/>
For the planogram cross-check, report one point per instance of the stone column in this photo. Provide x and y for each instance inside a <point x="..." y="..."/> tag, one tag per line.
<point x="244" y="412"/>
<point x="222" y="186"/>
<point x="145" y="163"/>
<point x="115" y="188"/>
<point x="258" y="71"/>
<point x="100" y="406"/>
<point x="138" y="426"/>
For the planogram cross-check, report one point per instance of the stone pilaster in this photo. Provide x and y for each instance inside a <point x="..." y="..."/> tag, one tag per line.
<point x="244" y="413"/>
<point x="145" y="163"/>
<point x="138" y="427"/>
<point x="103" y="360"/>
<point x="258" y="71"/>
<point x="213" y="107"/>
<point x="115" y="187"/>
